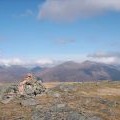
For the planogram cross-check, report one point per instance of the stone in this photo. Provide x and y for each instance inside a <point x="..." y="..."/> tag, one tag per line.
<point x="19" y="118"/>
<point x="60" y="108"/>
<point x="6" y="99"/>
<point x="94" y="118"/>
<point x="75" y="116"/>
<point x="37" y="115"/>
<point x="56" y="95"/>
<point x="48" y="116"/>
<point x="9" y="94"/>
<point x="67" y="88"/>
<point x="29" y="102"/>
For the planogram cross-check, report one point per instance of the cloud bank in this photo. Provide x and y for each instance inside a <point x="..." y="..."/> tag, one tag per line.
<point x="18" y="61"/>
<point x="104" y="57"/>
<point x="108" y="57"/>
<point x="75" y="9"/>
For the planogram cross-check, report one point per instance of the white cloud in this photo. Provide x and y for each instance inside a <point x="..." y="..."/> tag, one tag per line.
<point x="110" y="60"/>
<point x="18" y="61"/>
<point x="104" y="57"/>
<point x="105" y="54"/>
<point x="73" y="9"/>
<point x="44" y="62"/>
<point x="108" y="57"/>
<point x="8" y="62"/>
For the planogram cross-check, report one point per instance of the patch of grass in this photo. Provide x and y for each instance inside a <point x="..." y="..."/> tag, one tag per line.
<point x="86" y="98"/>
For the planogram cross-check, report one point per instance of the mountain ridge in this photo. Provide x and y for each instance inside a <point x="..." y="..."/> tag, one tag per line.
<point x="69" y="71"/>
<point x="77" y="72"/>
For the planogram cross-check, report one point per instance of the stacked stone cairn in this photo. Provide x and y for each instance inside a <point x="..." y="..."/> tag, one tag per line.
<point x="28" y="87"/>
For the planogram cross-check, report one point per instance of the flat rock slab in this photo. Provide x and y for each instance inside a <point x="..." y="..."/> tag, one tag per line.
<point x="29" y="102"/>
<point x="45" y="115"/>
<point x="6" y="99"/>
<point x="95" y="118"/>
<point x="75" y="116"/>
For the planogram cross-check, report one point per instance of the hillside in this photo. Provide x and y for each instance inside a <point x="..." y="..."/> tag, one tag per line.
<point x="76" y="72"/>
<point x="12" y="73"/>
<point x="65" y="72"/>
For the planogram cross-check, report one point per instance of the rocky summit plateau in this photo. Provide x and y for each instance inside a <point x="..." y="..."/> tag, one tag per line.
<point x="30" y="99"/>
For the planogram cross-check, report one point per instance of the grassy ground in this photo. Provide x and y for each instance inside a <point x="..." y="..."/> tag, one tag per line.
<point x="99" y="99"/>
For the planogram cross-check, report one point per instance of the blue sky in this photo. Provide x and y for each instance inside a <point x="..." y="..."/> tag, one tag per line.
<point x="43" y="31"/>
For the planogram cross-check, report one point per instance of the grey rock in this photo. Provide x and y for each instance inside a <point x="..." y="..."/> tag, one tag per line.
<point x="108" y="102"/>
<point x="60" y="108"/>
<point x="37" y="115"/>
<point x="67" y="88"/>
<point x="6" y="99"/>
<point x="29" y="102"/>
<point x="75" y="116"/>
<point x="8" y="94"/>
<point x="48" y="116"/>
<point x="56" y="95"/>
<point x="12" y="89"/>
<point x="39" y="107"/>
<point x="107" y="111"/>
<point x="61" y="105"/>
<point x="19" y="118"/>
<point x="94" y="118"/>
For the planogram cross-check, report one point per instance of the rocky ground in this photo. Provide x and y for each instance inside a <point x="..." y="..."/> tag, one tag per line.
<point x="66" y="101"/>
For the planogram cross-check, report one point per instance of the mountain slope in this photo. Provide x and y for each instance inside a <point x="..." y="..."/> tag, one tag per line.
<point x="15" y="73"/>
<point x="12" y="73"/>
<point x="66" y="72"/>
<point x="76" y="72"/>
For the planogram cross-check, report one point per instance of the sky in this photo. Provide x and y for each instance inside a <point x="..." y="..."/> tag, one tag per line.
<point x="48" y="31"/>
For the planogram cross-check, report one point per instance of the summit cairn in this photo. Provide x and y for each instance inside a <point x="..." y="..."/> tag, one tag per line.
<point x="30" y="86"/>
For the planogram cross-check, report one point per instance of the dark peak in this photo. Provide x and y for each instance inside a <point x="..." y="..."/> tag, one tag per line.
<point x="15" y="66"/>
<point x="69" y="63"/>
<point x="89" y="62"/>
<point x="37" y="67"/>
<point x="1" y="67"/>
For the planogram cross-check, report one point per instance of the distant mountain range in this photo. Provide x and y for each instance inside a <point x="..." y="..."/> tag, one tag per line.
<point x="66" y="72"/>
<point x="12" y="73"/>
